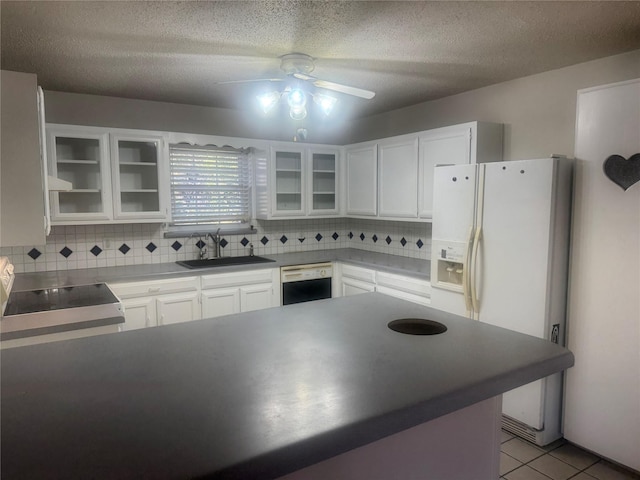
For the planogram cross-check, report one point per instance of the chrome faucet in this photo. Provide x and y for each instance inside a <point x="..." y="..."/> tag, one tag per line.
<point x="216" y="243"/>
<point x="202" y="250"/>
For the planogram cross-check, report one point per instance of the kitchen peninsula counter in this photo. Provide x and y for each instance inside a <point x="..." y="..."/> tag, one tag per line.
<point x="255" y="395"/>
<point x="412" y="267"/>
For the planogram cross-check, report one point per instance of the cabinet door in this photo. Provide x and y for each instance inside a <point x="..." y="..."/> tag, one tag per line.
<point x="177" y="308"/>
<point x="256" y="297"/>
<point x="80" y="156"/>
<point x="362" y="180"/>
<point x="22" y="209"/>
<point x="220" y="301"/>
<point x="351" y="286"/>
<point x="288" y="174"/>
<point x="323" y="182"/>
<point x="447" y="146"/>
<point x="136" y="171"/>
<point x="139" y="313"/>
<point x="398" y="183"/>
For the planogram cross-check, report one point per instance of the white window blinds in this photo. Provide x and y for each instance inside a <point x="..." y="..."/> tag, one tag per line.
<point x="209" y="185"/>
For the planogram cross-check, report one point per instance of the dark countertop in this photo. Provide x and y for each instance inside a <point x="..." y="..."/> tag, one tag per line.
<point x="412" y="267"/>
<point x="253" y="395"/>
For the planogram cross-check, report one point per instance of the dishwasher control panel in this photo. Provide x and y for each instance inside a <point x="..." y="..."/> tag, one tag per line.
<point x="300" y="273"/>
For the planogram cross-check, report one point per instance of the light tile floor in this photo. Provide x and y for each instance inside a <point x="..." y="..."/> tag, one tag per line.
<point x="521" y="460"/>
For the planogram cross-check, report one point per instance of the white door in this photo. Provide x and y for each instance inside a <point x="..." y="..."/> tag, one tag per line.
<point x="256" y="297"/>
<point x="178" y="308"/>
<point x="602" y="410"/>
<point x="398" y="182"/>
<point x="139" y="312"/>
<point x="220" y="301"/>
<point x="362" y="180"/>
<point x="444" y="148"/>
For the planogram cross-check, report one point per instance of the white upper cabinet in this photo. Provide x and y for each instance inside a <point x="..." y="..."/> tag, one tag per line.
<point x="295" y="181"/>
<point x="361" y="182"/>
<point x="137" y="182"/>
<point x="117" y="175"/>
<point x="398" y="182"/>
<point x="22" y="208"/>
<point x="81" y="157"/>
<point x="474" y="142"/>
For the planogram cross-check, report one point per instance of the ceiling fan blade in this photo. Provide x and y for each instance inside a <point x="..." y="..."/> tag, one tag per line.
<point x="251" y="81"/>
<point x="337" y="87"/>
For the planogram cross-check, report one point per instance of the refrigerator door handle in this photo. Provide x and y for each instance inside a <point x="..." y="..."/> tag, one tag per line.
<point x="465" y="272"/>
<point x="473" y="274"/>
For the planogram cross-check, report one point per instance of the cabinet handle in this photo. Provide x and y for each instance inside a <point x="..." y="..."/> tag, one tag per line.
<point x="154" y="290"/>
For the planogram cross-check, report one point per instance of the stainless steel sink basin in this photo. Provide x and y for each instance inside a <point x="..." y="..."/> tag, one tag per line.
<point x="223" y="262"/>
<point x="417" y="326"/>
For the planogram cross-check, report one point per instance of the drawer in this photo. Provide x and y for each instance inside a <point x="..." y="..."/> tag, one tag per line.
<point x="359" y="273"/>
<point x="249" y="277"/>
<point x="411" y="285"/>
<point x="154" y="287"/>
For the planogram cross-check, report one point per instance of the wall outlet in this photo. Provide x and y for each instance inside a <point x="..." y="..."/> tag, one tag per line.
<point x="107" y="243"/>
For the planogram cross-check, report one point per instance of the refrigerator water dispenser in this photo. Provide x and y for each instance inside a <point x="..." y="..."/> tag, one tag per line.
<point x="447" y="271"/>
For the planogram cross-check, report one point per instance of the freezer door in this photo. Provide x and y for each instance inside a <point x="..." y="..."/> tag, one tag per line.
<point x="454" y="208"/>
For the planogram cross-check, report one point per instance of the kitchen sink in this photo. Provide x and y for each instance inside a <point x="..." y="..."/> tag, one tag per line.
<point x="417" y="326"/>
<point x="223" y="262"/>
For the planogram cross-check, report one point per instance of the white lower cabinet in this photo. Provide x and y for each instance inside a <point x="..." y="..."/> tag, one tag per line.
<point x="407" y="288"/>
<point x="227" y="293"/>
<point x="355" y="280"/>
<point x="178" y="308"/>
<point x="159" y="302"/>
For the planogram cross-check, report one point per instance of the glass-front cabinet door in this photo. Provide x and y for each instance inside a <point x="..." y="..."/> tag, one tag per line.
<point x="288" y="174"/>
<point x="81" y="158"/>
<point x="138" y="187"/>
<point x="323" y="186"/>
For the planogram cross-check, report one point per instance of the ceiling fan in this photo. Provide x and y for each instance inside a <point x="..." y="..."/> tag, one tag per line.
<point x="299" y="65"/>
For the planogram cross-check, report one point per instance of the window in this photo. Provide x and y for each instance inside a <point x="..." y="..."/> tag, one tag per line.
<point x="209" y="186"/>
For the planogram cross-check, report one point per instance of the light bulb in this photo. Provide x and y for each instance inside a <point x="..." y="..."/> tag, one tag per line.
<point x="298" y="113"/>
<point x="268" y="100"/>
<point x="325" y="102"/>
<point x="297" y="99"/>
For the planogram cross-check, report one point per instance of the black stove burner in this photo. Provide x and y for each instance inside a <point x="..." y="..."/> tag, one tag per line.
<point x="58" y="299"/>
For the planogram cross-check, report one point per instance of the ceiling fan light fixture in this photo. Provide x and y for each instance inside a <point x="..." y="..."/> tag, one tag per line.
<point x="268" y="100"/>
<point x="325" y="102"/>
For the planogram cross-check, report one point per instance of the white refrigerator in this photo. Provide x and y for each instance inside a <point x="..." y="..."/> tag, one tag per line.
<point x="500" y="246"/>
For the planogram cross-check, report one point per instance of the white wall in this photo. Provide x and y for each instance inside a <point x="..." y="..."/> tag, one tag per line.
<point x="81" y="109"/>
<point x="538" y="111"/>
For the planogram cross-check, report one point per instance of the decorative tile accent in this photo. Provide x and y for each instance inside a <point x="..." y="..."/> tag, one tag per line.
<point x="374" y="238"/>
<point x="176" y="245"/>
<point x="244" y="241"/>
<point x="124" y="248"/>
<point x="335" y="235"/>
<point x="388" y="240"/>
<point x="223" y="243"/>
<point x="301" y="239"/>
<point x="200" y="244"/>
<point x="403" y="241"/>
<point x="362" y="237"/>
<point x="34" y="253"/>
<point x="264" y="240"/>
<point x="419" y="243"/>
<point x="65" y="252"/>
<point x="96" y="250"/>
<point x="318" y="237"/>
<point x="151" y="247"/>
<point x="350" y="235"/>
<point x="283" y="239"/>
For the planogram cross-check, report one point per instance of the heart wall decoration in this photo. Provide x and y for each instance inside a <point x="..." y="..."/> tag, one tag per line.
<point x="624" y="172"/>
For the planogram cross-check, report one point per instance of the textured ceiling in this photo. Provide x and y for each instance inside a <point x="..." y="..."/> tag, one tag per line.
<point x="407" y="52"/>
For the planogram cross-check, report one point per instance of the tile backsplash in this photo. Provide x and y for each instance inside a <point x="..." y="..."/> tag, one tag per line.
<point x="90" y="246"/>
